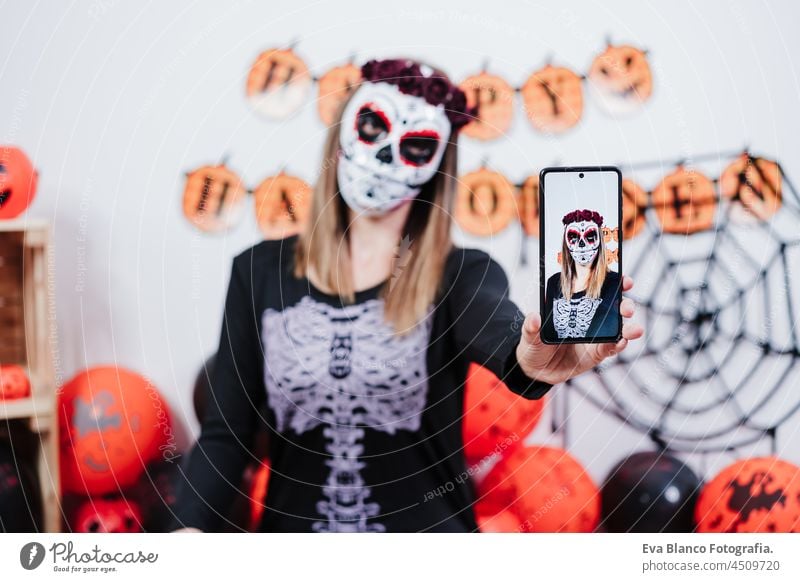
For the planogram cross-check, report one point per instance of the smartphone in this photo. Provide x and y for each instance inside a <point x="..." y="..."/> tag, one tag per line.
<point x="580" y="254"/>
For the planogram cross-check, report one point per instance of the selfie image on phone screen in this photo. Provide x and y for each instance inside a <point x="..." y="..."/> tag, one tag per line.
<point x="580" y="254"/>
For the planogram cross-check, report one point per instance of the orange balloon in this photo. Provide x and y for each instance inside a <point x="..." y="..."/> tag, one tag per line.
<point x="752" y="495"/>
<point x="14" y="382"/>
<point x="112" y="422"/>
<point x="546" y="488"/>
<point x="494" y="417"/>
<point x="503" y="522"/>
<point x="18" y="182"/>
<point x="258" y="493"/>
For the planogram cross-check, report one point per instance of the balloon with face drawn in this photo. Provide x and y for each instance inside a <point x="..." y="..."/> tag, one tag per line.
<point x="391" y="145"/>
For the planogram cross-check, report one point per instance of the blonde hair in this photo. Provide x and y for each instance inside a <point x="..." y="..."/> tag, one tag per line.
<point x="417" y="275"/>
<point x="597" y="275"/>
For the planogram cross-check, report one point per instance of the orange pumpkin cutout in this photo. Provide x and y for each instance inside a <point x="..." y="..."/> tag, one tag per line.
<point x="634" y="204"/>
<point x="335" y="87"/>
<point x="112" y="422"/>
<point x="485" y="202"/>
<point x="494" y="417"/>
<point x="685" y="202"/>
<point x="495" y="100"/>
<point x="621" y="80"/>
<point x="283" y="204"/>
<point x="546" y="488"/>
<point x="212" y="198"/>
<point x="528" y="206"/>
<point x="278" y="83"/>
<point x="752" y="495"/>
<point x="18" y="181"/>
<point x="14" y="382"/>
<point x="755" y="183"/>
<point x="553" y="99"/>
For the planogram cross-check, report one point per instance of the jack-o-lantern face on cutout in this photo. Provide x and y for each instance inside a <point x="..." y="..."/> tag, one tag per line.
<point x="283" y="203"/>
<point x="528" y="206"/>
<point x="212" y="198"/>
<point x="14" y="382"/>
<point x="495" y="100"/>
<point x="107" y="516"/>
<point x="485" y="203"/>
<point x="755" y="183"/>
<point x="634" y="204"/>
<point x="621" y="79"/>
<point x="553" y="98"/>
<point x="278" y="83"/>
<point x="335" y="87"/>
<point x="685" y="202"/>
<point x="18" y="182"/>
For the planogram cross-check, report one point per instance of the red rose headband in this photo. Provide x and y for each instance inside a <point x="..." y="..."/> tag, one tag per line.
<point x="413" y="79"/>
<point x="579" y="215"/>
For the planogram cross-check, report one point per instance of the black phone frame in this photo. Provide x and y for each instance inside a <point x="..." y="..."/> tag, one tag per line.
<point x="543" y="281"/>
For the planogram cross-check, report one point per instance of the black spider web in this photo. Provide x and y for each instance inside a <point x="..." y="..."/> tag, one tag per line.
<point x="717" y="369"/>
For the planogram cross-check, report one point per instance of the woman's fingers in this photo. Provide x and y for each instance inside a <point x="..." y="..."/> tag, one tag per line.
<point x="632" y="331"/>
<point x="627" y="283"/>
<point x="530" y="329"/>
<point x="627" y="307"/>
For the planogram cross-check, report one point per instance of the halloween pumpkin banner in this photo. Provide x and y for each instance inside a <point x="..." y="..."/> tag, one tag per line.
<point x="18" y="180"/>
<point x="552" y="97"/>
<point x="213" y="199"/>
<point x="684" y="202"/>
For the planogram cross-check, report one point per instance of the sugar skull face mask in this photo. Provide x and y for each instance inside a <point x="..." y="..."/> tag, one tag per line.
<point x="583" y="241"/>
<point x="391" y="144"/>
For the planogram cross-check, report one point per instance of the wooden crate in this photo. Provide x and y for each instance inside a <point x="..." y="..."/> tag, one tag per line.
<point x="26" y="316"/>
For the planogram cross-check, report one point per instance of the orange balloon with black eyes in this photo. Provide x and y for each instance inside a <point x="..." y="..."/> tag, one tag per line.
<point x="278" y="83"/>
<point x="685" y="202"/>
<point x="553" y="98"/>
<point x="621" y="79"/>
<point x="14" y="382"/>
<point x="335" y="87"/>
<point x="494" y="98"/>
<point x="112" y="423"/>
<point x="755" y="183"/>
<point x="18" y="181"/>
<point x="495" y="419"/>
<point x="212" y="198"/>
<point x="485" y="202"/>
<point x="107" y="516"/>
<point x="283" y="205"/>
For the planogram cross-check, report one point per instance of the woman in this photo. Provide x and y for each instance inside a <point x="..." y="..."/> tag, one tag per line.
<point x="583" y="300"/>
<point x="355" y="337"/>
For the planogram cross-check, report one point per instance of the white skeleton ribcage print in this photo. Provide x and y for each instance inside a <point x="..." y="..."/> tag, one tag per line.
<point x="572" y="318"/>
<point x="344" y="368"/>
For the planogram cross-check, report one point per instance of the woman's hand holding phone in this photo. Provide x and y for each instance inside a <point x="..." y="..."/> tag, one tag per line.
<point x="556" y="363"/>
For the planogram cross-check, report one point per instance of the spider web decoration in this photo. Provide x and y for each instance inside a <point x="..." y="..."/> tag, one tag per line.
<point x="717" y="368"/>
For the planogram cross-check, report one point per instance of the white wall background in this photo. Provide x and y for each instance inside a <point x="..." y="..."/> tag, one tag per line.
<point x="115" y="100"/>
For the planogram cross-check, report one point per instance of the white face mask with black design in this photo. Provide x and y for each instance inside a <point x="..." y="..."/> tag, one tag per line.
<point x="391" y="144"/>
<point x="583" y="241"/>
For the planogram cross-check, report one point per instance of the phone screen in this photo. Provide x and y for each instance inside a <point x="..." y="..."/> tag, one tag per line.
<point x="580" y="247"/>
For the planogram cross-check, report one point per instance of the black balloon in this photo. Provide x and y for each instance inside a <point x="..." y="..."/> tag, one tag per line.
<point x="649" y="493"/>
<point x="20" y="500"/>
<point x="202" y="388"/>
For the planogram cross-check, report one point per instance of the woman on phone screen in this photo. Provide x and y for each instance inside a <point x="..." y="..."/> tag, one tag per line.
<point x="354" y="337"/>
<point x="582" y="301"/>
